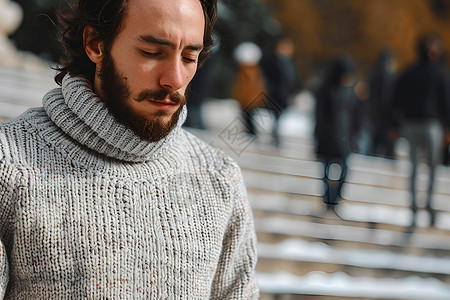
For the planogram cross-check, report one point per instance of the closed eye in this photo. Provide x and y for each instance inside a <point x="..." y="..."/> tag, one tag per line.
<point x="150" y="54"/>
<point x="190" y="60"/>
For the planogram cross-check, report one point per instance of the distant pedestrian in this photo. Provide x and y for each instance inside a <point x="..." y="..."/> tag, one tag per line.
<point x="282" y="81"/>
<point x="382" y="82"/>
<point x="334" y="110"/>
<point x="360" y="139"/>
<point x="249" y="86"/>
<point x="199" y="90"/>
<point x="422" y="108"/>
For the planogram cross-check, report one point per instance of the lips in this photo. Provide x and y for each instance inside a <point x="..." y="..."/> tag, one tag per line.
<point x="165" y="104"/>
<point x="164" y="101"/>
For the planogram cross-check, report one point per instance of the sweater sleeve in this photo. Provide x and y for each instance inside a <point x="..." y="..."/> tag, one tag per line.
<point x="4" y="271"/>
<point x="235" y="275"/>
<point x="7" y="176"/>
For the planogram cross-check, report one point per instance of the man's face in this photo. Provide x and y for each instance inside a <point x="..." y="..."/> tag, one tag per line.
<point x="144" y="77"/>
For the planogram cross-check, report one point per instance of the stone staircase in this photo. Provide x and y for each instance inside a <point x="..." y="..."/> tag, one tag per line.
<point x="22" y="88"/>
<point x="363" y="252"/>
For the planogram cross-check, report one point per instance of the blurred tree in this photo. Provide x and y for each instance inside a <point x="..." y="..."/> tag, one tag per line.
<point x="323" y="29"/>
<point x="441" y="8"/>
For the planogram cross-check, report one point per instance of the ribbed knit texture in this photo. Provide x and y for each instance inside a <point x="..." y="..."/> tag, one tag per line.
<point x="90" y="211"/>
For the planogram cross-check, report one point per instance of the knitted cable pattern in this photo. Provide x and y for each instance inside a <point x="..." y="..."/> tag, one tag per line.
<point x="90" y="211"/>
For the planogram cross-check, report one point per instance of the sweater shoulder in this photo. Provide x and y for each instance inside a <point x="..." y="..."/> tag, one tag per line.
<point x="206" y="156"/>
<point x="15" y="133"/>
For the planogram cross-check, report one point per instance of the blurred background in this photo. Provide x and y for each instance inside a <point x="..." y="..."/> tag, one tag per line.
<point x="329" y="225"/>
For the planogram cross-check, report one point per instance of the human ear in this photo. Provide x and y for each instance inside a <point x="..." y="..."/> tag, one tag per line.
<point x="92" y="46"/>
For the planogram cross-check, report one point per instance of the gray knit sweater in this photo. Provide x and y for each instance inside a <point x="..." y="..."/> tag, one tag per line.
<point x="90" y="211"/>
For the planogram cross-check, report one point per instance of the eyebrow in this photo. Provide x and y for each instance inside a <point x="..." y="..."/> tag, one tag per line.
<point x="157" y="41"/>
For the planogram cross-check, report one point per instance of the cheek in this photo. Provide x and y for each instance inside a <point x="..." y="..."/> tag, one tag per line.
<point x="191" y="75"/>
<point x="142" y="76"/>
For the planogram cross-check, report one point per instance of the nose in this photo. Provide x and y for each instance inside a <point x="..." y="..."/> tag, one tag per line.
<point x="172" y="77"/>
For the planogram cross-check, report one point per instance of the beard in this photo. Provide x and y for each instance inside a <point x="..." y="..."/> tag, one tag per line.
<point x="117" y="97"/>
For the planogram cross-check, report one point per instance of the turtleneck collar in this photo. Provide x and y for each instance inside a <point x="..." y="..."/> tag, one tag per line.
<point x="80" y="113"/>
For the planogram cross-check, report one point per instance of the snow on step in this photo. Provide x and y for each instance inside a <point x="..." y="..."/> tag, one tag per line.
<point x="359" y="212"/>
<point x="319" y="252"/>
<point x="352" y="234"/>
<point x="343" y="285"/>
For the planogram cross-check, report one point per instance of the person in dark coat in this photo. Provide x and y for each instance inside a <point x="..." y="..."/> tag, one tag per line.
<point x="382" y="82"/>
<point x="282" y="81"/>
<point x="335" y="101"/>
<point x="199" y="90"/>
<point x="249" y="87"/>
<point x="422" y="109"/>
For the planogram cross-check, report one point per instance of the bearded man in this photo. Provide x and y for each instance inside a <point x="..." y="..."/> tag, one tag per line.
<point x="103" y="194"/>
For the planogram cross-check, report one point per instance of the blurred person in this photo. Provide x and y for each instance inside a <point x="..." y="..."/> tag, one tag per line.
<point x="360" y="137"/>
<point x="199" y="89"/>
<point x="249" y="87"/>
<point x="335" y="103"/>
<point x="104" y="196"/>
<point x="10" y="18"/>
<point x="421" y="110"/>
<point x="381" y="83"/>
<point x="282" y="81"/>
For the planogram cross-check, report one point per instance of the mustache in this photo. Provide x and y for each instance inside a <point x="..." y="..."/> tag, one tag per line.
<point x="176" y="97"/>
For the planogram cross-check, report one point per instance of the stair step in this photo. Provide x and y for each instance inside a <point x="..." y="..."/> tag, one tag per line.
<point x="348" y="211"/>
<point x="320" y="252"/>
<point x="377" y="237"/>
<point x="22" y="89"/>
<point x="340" y="284"/>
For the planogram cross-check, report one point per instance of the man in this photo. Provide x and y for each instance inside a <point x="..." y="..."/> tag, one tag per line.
<point x="334" y="115"/>
<point x="103" y="195"/>
<point x="421" y="109"/>
<point x="282" y="81"/>
<point x="248" y="86"/>
<point x="381" y="83"/>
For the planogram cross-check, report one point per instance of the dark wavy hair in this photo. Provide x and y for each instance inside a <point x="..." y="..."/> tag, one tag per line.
<point x="105" y="17"/>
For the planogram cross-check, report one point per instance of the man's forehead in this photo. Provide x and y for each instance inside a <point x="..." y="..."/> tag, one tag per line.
<point x="163" y="6"/>
<point x="173" y="22"/>
<point x="165" y="10"/>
